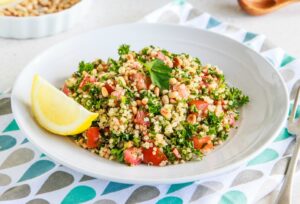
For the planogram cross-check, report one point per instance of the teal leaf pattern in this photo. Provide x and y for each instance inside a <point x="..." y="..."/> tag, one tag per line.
<point x="286" y="60"/>
<point x="38" y="168"/>
<point x="176" y="187"/>
<point x="284" y="134"/>
<point x="212" y="22"/>
<point x="42" y="155"/>
<point x="170" y="200"/>
<point x="12" y="126"/>
<point x="6" y="142"/>
<point x="79" y="194"/>
<point x="249" y="36"/>
<point x="266" y="156"/>
<point x="180" y="2"/>
<point x="297" y="112"/>
<point x="233" y="197"/>
<point x="113" y="187"/>
<point x="25" y="141"/>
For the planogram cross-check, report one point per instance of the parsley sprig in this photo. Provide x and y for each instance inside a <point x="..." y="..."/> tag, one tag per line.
<point x="237" y="97"/>
<point x="160" y="73"/>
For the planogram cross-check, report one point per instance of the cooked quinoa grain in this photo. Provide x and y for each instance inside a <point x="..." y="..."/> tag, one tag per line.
<point x="155" y="107"/>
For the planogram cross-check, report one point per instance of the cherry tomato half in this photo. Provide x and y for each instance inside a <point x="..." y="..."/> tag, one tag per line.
<point x="93" y="137"/>
<point x="153" y="156"/>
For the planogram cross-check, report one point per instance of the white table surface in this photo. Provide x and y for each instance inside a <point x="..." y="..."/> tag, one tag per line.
<point x="281" y="27"/>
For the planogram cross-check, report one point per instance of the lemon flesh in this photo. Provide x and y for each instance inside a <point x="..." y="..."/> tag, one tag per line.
<point x="57" y="112"/>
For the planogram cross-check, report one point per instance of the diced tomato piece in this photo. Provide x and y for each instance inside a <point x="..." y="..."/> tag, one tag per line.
<point x="176" y="62"/>
<point x="117" y="94"/>
<point x="87" y="79"/>
<point x="231" y="120"/>
<point x="84" y="81"/>
<point x="153" y="156"/>
<point x="136" y="65"/>
<point x="142" y="82"/>
<point x="93" y="136"/>
<point x="140" y="118"/>
<point x="109" y="88"/>
<point x="204" y="144"/>
<point x="176" y="153"/>
<point x="66" y="90"/>
<point x="182" y="90"/>
<point x="148" y="82"/>
<point x="203" y="83"/>
<point x="133" y="156"/>
<point x="199" y="104"/>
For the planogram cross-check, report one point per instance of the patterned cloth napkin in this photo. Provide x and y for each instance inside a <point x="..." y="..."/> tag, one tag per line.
<point x="29" y="176"/>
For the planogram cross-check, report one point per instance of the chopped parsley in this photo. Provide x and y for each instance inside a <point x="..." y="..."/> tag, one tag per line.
<point x="127" y="121"/>
<point x="118" y="153"/>
<point x="236" y="98"/>
<point x="154" y="104"/>
<point x="85" y="67"/>
<point x="124" y="49"/>
<point x="113" y="65"/>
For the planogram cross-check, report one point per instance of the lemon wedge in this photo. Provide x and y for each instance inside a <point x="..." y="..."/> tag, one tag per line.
<point x="57" y="112"/>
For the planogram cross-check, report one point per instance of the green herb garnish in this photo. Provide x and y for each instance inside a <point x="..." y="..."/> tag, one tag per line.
<point x="124" y="49"/>
<point x="118" y="153"/>
<point x="237" y="98"/>
<point x="85" y="67"/>
<point x="113" y="65"/>
<point x="154" y="104"/>
<point x="160" y="73"/>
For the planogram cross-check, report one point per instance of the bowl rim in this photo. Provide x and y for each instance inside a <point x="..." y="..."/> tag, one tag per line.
<point x="189" y="178"/>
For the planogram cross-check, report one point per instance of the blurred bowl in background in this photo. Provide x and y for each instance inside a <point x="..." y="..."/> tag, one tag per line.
<point x="44" y="25"/>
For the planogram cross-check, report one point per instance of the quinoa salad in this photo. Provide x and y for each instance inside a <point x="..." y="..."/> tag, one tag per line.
<point x="155" y="107"/>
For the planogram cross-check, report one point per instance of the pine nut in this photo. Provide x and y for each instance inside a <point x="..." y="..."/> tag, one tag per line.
<point x="104" y="92"/>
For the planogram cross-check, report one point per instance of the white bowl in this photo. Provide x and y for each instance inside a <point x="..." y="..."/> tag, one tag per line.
<point x="44" y="25"/>
<point x="261" y="119"/>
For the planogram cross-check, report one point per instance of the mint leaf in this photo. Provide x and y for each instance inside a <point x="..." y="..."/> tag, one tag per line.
<point x="160" y="73"/>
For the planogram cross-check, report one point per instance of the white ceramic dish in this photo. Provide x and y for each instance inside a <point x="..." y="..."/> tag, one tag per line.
<point x="261" y="121"/>
<point x="44" y="25"/>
